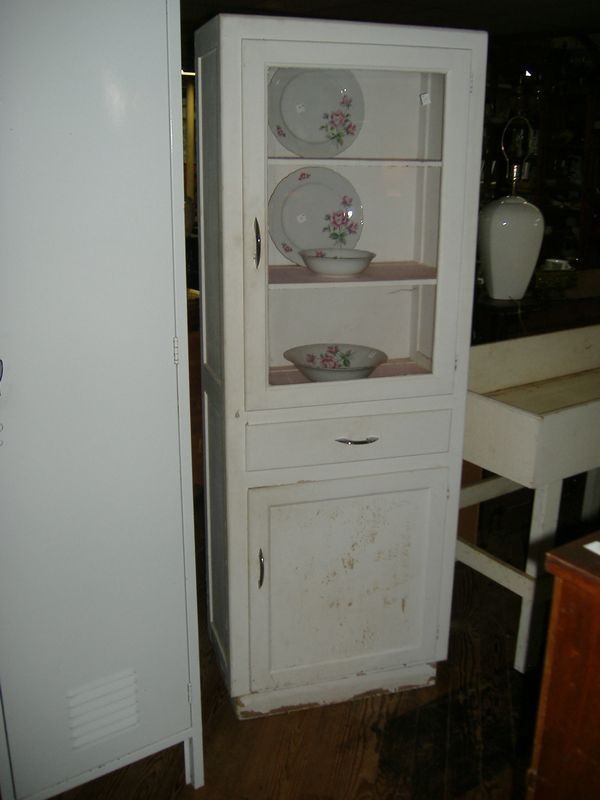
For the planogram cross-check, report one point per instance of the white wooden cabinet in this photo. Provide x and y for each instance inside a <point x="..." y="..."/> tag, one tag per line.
<point x="99" y="660"/>
<point x="331" y="505"/>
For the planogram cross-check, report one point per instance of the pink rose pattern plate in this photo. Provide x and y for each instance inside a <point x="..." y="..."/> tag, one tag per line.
<point x="312" y="208"/>
<point x="315" y="112"/>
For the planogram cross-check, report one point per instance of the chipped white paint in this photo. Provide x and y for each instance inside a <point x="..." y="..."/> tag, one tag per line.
<point x="342" y="555"/>
<point x="357" y="542"/>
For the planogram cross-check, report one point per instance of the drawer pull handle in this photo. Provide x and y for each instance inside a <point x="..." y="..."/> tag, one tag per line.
<point x="261" y="566"/>
<point x="368" y="440"/>
<point x="258" y="240"/>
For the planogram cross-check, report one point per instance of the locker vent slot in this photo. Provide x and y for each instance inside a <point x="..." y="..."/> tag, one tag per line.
<point x="103" y="708"/>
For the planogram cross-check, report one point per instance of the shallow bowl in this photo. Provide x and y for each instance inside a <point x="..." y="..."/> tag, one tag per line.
<point x="335" y="362"/>
<point x="337" y="260"/>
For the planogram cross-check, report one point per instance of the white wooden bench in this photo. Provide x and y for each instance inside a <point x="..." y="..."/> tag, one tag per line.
<point x="532" y="419"/>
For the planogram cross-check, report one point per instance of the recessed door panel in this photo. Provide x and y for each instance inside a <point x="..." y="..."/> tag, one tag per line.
<point x="349" y="576"/>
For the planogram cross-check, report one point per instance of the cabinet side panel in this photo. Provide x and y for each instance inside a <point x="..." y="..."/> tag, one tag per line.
<point x="426" y="317"/>
<point x="211" y="256"/>
<point x="210" y="221"/>
<point x="216" y="529"/>
<point x="387" y="325"/>
<point x="427" y="231"/>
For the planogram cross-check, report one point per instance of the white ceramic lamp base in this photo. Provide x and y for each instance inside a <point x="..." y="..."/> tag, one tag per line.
<point x="510" y="237"/>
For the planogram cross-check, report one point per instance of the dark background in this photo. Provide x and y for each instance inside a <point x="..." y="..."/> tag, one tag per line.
<point x="557" y="42"/>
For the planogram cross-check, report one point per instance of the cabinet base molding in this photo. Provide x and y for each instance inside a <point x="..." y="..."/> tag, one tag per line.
<point x="280" y="701"/>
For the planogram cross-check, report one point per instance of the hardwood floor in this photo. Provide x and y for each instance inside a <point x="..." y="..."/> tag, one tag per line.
<point x="467" y="737"/>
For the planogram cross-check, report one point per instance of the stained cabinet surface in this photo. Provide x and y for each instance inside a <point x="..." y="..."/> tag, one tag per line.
<point x="328" y="137"/>
<point x="346" y="577"/>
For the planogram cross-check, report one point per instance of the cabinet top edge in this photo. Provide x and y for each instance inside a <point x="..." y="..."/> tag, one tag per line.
<point x="266" y="27"/>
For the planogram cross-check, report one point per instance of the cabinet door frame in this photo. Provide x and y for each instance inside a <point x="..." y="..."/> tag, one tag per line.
<point x="399" y="486"/>
<point x="455" y="64"/>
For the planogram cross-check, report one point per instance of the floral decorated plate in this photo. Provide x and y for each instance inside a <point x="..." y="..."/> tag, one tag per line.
<point x="335" y="362"/>
<point x="314" y="208"/>
<point x="315" y="112"/>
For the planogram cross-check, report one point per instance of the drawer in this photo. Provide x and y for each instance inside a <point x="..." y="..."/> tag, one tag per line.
<point x="332" y="441"/>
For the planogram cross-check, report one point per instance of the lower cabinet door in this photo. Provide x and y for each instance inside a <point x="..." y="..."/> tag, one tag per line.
<point x="345" y="576"/>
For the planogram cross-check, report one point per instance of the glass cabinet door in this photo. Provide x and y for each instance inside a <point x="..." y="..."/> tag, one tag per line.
<point x="354" y="168"/>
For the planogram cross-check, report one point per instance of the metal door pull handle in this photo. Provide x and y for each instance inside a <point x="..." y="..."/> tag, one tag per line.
<point x="368" y="440"/>
<point x="258" y="239"/>
<point x="261" y="565"/>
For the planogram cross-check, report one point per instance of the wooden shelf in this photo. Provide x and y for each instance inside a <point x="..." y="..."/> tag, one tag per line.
<point x="412" y="272"/>
<point x="393" y="367"/>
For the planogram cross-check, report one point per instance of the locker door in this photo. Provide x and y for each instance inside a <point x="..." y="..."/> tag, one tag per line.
<point x="95" y="490"/>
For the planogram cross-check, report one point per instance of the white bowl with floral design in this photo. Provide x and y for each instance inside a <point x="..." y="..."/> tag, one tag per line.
<point x="335" y="362"/>
<point x="337" y="260"/>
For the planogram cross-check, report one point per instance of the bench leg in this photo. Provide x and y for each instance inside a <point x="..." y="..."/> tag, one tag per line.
<point x="591" y="497"/>
<point x="544" y="521"/>
<point x="530" y="635"/>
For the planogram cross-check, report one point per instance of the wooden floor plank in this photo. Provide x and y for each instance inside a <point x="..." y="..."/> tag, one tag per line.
<point x="494" y="697"/>
<point x="431" y="762"/>
<point x="462" y="739"/>
<point x="159" y="777"/>
<point x="457" y="739"/>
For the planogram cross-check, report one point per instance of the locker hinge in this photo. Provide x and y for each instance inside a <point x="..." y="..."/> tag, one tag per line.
<point x="471" y="83"/>
<point x="455" y="363"/>
<point x="176" y="350"/>
<point x="189" y="691"/>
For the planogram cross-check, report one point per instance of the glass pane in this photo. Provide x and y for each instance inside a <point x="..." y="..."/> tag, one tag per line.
<point x="385" y="114"/>
<point x="354" y="167"/>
